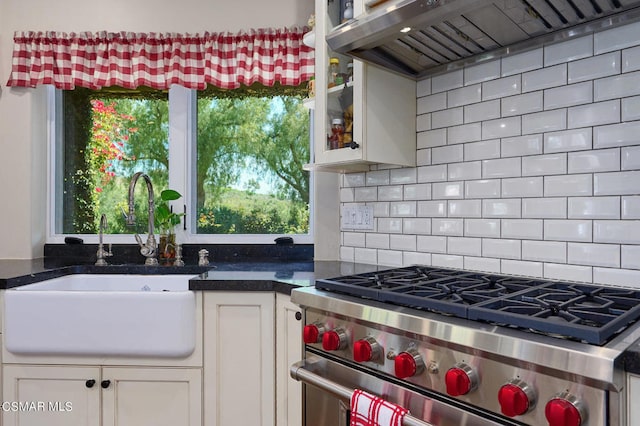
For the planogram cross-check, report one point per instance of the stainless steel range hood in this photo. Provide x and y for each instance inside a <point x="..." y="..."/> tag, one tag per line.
<point x="447" y="34"/>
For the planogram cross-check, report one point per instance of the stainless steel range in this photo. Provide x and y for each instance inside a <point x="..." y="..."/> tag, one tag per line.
<point x="464" y="348"/>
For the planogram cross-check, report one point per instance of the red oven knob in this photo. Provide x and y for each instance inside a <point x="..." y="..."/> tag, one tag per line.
<point x="366" y="349"/>
<point x="334" y="340"/>
<point x="516" y="398"/>
<point x="408" y="363"/>
<point x="565" y="410"/>
<point x="312" y="333"/>
<point x="460" y="379"/>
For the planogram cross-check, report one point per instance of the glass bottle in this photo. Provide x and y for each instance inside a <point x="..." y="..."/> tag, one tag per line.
<point x="334" y="70"/>
<point x="347" y="14"/>
<point x="337" y="134"/>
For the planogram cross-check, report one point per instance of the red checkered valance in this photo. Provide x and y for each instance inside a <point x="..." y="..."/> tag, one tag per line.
<point x="125" y="59"/>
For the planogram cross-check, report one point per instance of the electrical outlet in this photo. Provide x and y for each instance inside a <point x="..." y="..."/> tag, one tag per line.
<point x="357" y="217"/>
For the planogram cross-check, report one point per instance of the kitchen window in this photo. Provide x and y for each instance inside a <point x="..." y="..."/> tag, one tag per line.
<point x="236" y="157"/>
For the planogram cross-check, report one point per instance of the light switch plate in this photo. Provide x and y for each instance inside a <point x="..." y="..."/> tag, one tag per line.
<point x="356" y="217"/>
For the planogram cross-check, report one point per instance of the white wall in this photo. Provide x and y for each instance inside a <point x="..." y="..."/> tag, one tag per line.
<point x="528" y="165"/>
<point x="22" y="111"/>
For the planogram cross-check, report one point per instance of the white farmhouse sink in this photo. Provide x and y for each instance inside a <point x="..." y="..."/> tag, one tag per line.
<point x="105" y="315"/>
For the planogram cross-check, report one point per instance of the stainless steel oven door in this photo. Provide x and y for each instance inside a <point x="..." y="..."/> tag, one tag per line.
<point x="328" y="385"/>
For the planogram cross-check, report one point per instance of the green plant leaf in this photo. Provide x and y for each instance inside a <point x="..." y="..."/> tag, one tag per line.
<point x="169" y="195"/>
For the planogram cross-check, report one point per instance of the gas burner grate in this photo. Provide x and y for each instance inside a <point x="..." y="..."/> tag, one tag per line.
<point x="582" y="312"/>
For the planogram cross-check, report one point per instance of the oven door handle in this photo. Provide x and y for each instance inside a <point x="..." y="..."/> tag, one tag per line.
<point x="301" y="374"/>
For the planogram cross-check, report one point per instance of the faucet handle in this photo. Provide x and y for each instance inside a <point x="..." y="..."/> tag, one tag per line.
<point x="203" y="259"/>
<point x="108" y="252"/>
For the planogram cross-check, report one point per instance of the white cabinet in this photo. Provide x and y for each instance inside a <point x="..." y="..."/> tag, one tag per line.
<point x="382" y="106"/>
<point x="288" y="351"/>
<point x="107" y="396"/>
<point x="633" y="393"/>
<point x="239" y="364"/>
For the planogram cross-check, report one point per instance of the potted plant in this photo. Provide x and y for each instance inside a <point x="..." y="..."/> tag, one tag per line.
<point x="165" y="222"/>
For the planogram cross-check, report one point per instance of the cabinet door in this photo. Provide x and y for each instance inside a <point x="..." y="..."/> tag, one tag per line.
<point x="633" y="395"/>
<point x="151" y="396"/>
<point x="239" y="365"/>
<point x="51" y="395"/>
<point x="288" y="351"/>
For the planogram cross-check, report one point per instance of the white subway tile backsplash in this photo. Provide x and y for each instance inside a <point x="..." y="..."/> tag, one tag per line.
<point x="431" y="138"/>
<point x="501" y="87"/>
<point x="631" y="257"/>
<point x="597" y="114"/>
<point x="595" y="67"/>
<point x="380" y="209"/>
<point x="631" y="207"/>
<point x="390" y="225"/>
<point x="486" y="188"/>
<point x="526" y="229"/>
<point x="544" y="78"/>
<point x="623" y="134"/>
<point x="518" y="267"/>
<point x="502" y="248"/>
<point x="507" y="208"/>
<point x="616" y="231"/>
<point x="544" y="208"/>
<point x="594" y="254"/>
<point x="447" y="190"/>
<point x="416" y="226"/>
<point x="390" y="193"/>
<point x="447" y="261"/>
<point x="347" y="195"/>
<point x="452" y="227"/>
<point x="576" y="48"/>
<point x="423" y="87"/>
<point x="568" y="272"/>
<point x="505" y="167"/>
<point x="544" y="251"/>
<point x="464" y="246"/>
<point x="566" y="96"/>
<point x="447" y="117"/>
<point x="568" y="140"/>
<point x="522" y="62"/>
<point x="569" y="185"/>
<point x="618" y="277"/>
<point x="617" y="183"/>
<point x="378" y="177"/>
<point x="482" y="111"/>
<point x="465" y="171"/>
<point x="617" y="86"/>
<point x="413" y="258"/>
<point x="404" y="176"/>
<point x="347" y="254"/>
<point x="631" y="59"/>
<point x="521" y="146"/>
<point x="447" y="154"/>
<point x="465" y="133"/>
<point x="423" y="157"/>
<point x="448" y="81"/>
<point x="420" y="191"/>
<point x="568" y="230"/>
<point x="465" y="208"/>
<point x="366" y="194"/>
<point x="482" y="264"/>
<point x="482" y="72"/>
<point x="501" y="128"/>
<point x="436" y="208"/>
<point x="431" y="103"/>
<point x="402" y="242"/>
<point x="522" y="104"/>
<point x="551" y="164"/>
<point x="403" y="209"/>
<point x="353" y="239"/>
<point x="464" y="96"/>
<point x="631" y="108"/>
<point x="432" y="173"/>
<point x="601" y="160"/>
<point x="522" y="187"/>
<point x="373" y="240"/>
<point x="594" y="208"/>
<point x="354" y="179"/>
<point x="365" y="255"/>
<point x="390" y="257"/>
<point x="423" y="122"/>
<point x="616" y="38"/>
<point x="631" y="159"/>
<point x="432" y="244"/>
<point x="482" y="150"/>
<point x="546" y="121"/>
<point x="482" y="228"/>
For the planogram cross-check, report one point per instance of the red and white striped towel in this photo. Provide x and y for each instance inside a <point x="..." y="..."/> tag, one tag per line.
<point x="371" y="410"/>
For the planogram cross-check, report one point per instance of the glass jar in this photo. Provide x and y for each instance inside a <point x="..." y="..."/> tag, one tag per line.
<point x="334" y="70"/>
<point x="347" y="14"/>
<point x="336" y="140"/>
<point x="350" y="72"/>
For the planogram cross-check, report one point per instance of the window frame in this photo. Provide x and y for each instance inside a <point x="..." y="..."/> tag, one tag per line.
<point x="182" y="152"/>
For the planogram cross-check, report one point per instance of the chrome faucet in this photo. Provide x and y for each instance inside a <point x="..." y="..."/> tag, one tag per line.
<point x="102" y="253"/>
<point x="150" y="248"/>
